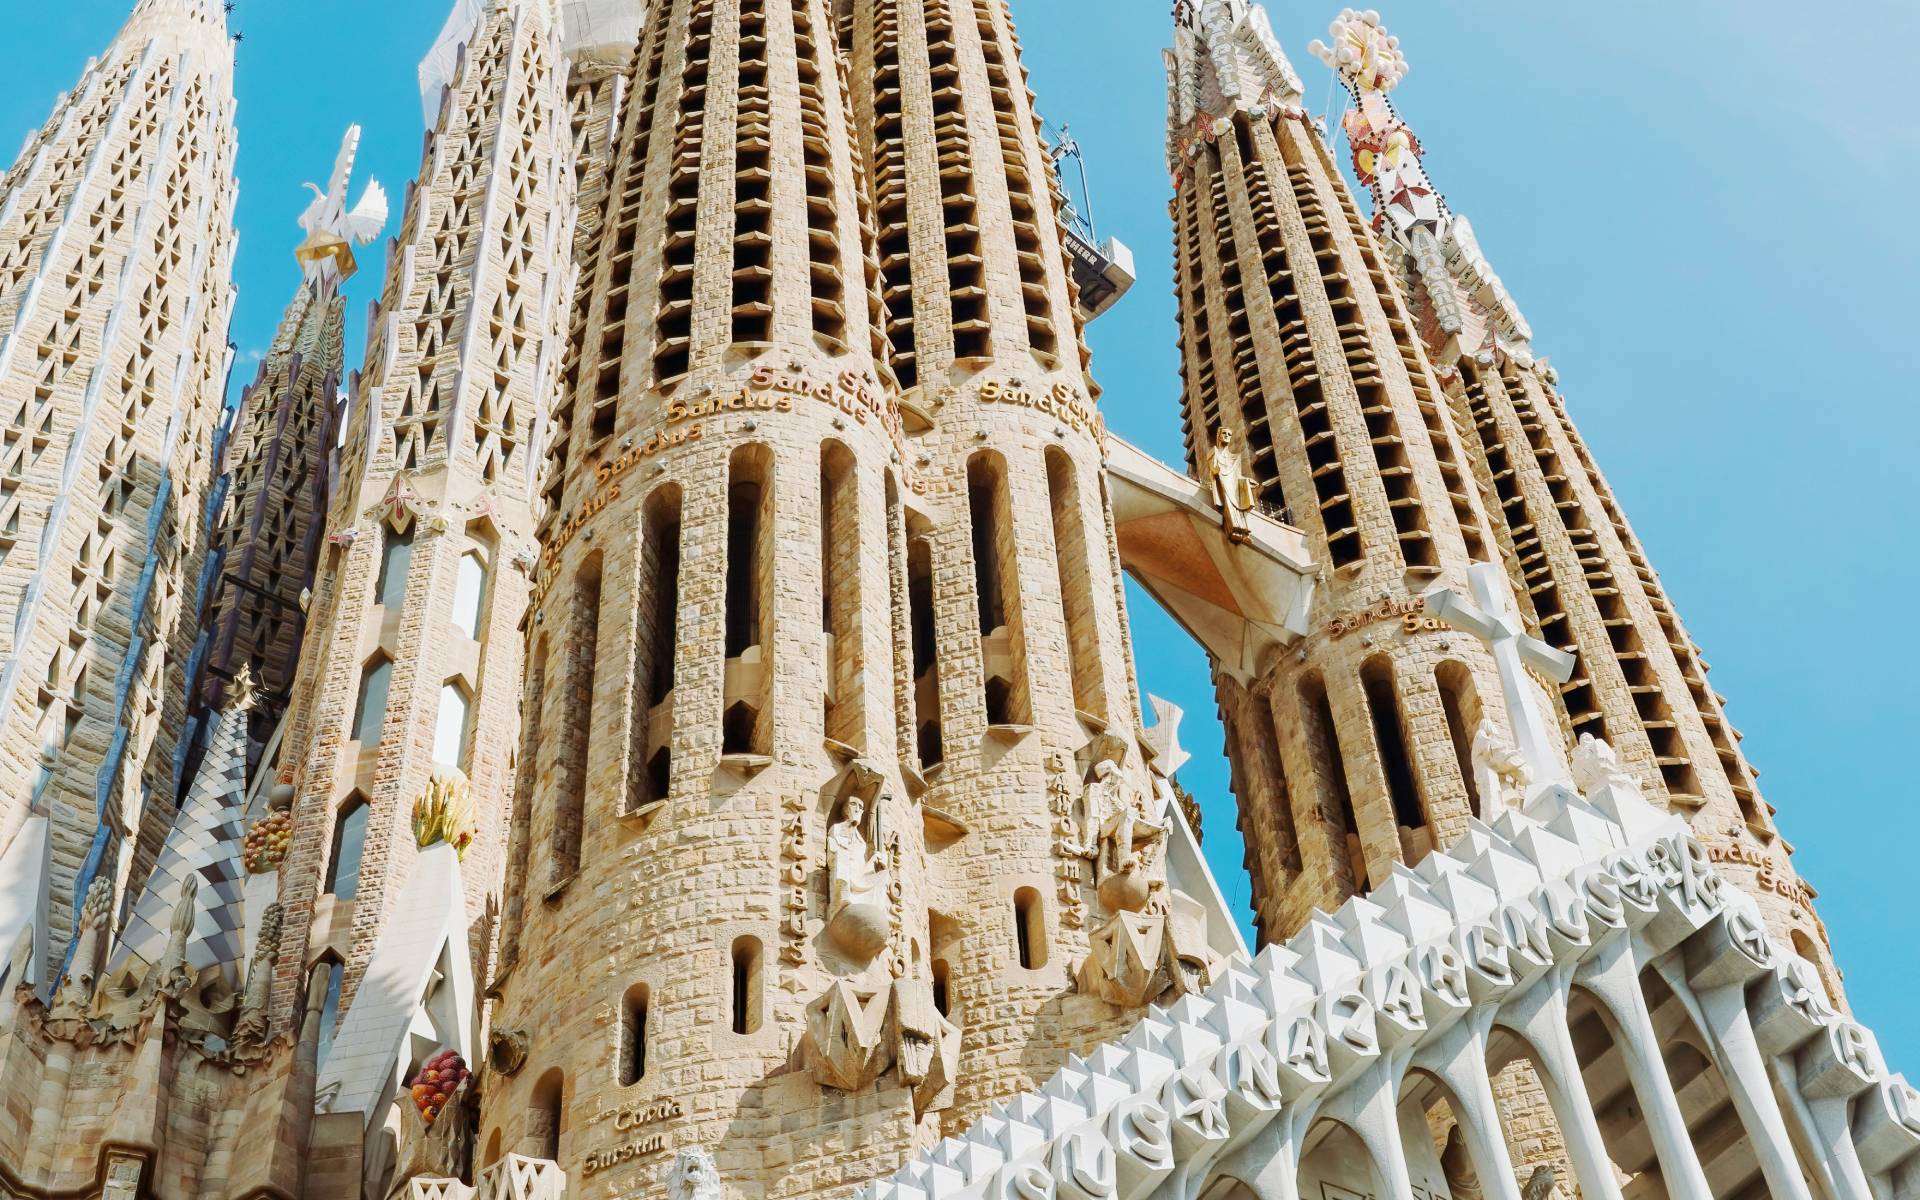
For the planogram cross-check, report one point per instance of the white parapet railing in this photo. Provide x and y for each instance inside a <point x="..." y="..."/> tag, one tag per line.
<point x="1309" y="1054"/>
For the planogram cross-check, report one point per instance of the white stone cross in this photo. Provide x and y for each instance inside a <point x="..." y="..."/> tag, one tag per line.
<point x="1492" y="616"/>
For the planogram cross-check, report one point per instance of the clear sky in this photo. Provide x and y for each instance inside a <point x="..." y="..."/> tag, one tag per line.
<point x="1708" y="213"/>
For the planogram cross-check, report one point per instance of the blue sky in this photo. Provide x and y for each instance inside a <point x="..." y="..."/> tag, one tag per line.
<point x="1708" y="219"/>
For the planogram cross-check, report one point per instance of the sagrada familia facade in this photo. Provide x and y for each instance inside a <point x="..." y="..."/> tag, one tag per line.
<point x="665" y="722"/>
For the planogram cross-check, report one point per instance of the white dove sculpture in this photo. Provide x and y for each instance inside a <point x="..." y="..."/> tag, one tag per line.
<point x="332" y="229"/>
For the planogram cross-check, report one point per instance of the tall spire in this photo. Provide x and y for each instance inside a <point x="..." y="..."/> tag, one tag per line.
<point x="115" y="289"/>
<point x="1462" y="302"/>
<point x="278" y="453"/>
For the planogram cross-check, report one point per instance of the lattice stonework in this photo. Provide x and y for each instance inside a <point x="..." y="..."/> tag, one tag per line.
<point x="419" y="585"/>
<point x="115" y="264"/>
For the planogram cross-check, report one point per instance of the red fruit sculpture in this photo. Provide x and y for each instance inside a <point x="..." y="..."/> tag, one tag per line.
<point x="436" y="1082"/>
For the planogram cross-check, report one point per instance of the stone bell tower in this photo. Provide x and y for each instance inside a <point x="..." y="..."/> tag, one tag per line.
<point x="1304" y="376"/>
<point x="838" y="825"/>
<point x="1641" y="683"/>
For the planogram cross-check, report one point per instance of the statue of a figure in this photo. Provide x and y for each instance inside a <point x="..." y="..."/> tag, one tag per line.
<point x="694" y="1177"/>
<point x="252" y="1025"/>
<point x="1120" y="829"/>
<point x="1501" y="776"/>
<point x="1457" y="1166"/>
<point x="77" y="991"/>
<point x="1232" y="490"/>
<point x="857" y="912"/>
<point x="1597" y="765"/>
<point x="856" y="868"/>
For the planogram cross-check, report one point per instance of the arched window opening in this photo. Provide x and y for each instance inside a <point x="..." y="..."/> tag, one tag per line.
<point x="1336" y="801"/>
<point x="926" y="664"/>
<point x="396" y="556"/>
<point x="746" y="985"/>
<point x="995" y="577"/>
<point x="370" y="708"/>
<point x="470" y="593"/>
<point x="349" y="835"/>
<point x="840" y="556"/>
<point x="942" y="987"/>
<point x="1071" y="555"/>
<point x="451" y="743"/>
<point x="582" y="652"/>
<point x="1461" y="703"/>
<point x="520" y="828"/>
<point x="1390" y="740"/>
<point x="633" y="1035"/>
<point x="747" y="723"/>
<point x="492" y="1154"/>
<point x="546" y="1117"/>
<point x="1030" y="929"/>
<point x="656" y="618"/>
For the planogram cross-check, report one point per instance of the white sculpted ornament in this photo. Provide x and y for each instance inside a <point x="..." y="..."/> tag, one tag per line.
<point x="1500" y="772"/>
<point x="694" y="1177"/>
<point x="857" y="919"/>
<point x="1120" y="831"/>
<point x="1596" y="765"/>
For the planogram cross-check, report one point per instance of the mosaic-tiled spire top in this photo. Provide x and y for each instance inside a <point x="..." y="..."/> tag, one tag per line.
<point x="332" y="228"/>
<point x="1467" y="300"/>
<point x="1225" y="59"/>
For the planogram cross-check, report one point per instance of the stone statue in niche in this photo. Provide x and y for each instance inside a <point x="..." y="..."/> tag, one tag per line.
<point x="1232" y="490"/>
<point x="1122" y="838"/>
<point x="694" y="1177"/>
<point x="1501" y="775"/>
<point x="858" y="919"/>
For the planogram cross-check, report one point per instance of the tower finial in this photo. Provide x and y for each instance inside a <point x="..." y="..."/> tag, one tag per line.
<point x="333" y="230"/>
<point x="1386" y="154"/>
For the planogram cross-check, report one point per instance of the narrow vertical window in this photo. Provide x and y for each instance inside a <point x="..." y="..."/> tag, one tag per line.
<point x="469" y="593"/>
<point x="451" y="726"/>
<point x="343" y="862"/>
<point x="656" y="619"/>
<point x="926" y="663"/>
<point x="582" y="650"/>
<point x="943" y="987"/>
<point x="1462" y="707"/>
<point x="989" y="509"/>
<point x="1029" y="929"/>
<point x="396" y="555"/>
<point x="747" y="722"/>
<point x="1076" y="585"/>
<point x="746" y="985"/>
<point x="840" y="555"/>
<point x="633" y="1035"/>
<point x="370" y="709"/>
<point x="1323" y="742"/>
<point x="1390" y="739"/>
